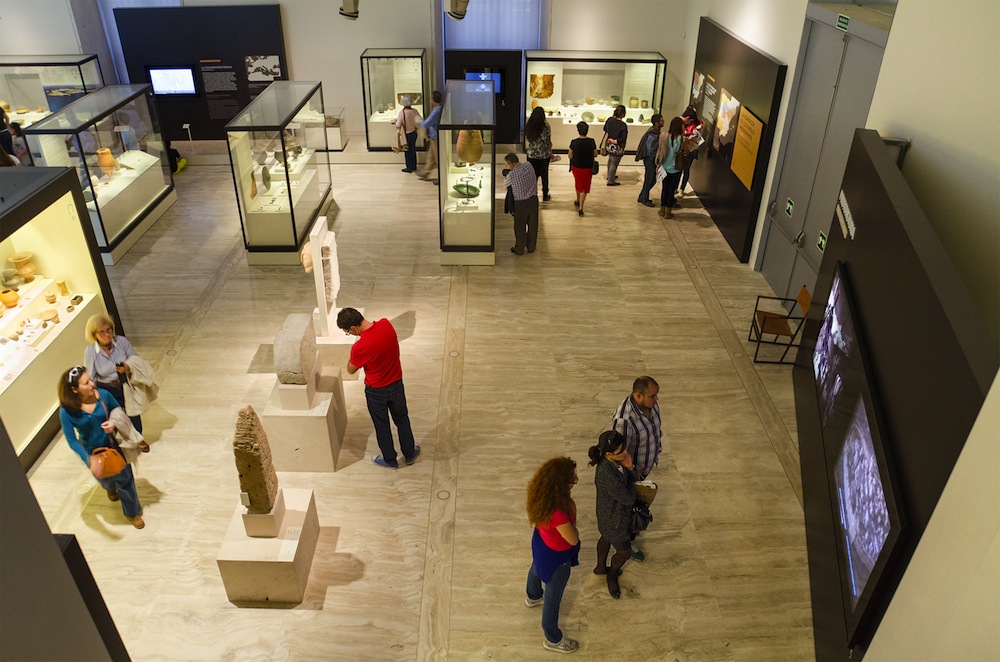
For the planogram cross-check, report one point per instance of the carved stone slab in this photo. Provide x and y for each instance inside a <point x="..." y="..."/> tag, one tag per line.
<point x="295" y="349"/>
<point x="253" y="462"/>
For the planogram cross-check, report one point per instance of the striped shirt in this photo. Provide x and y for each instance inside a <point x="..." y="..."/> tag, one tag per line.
<point x="642" y="434"/>
<point x="523" y="181"/>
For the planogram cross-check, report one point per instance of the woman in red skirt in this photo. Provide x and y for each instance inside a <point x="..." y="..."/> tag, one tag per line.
<point x="582" y="152"/>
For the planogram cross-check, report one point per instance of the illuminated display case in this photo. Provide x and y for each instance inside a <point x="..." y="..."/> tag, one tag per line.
<point x="387" y="75"/>
<point x="280" y="182"/>
<point x="466" y="173"/>
<point x="53" y="281"/>
<point x="32" y="86"/>
<point x="112" y="138"/>
<point x="575" y="86"/>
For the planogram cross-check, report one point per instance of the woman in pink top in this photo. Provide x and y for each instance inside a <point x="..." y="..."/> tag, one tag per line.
<point x="408" y="119"/>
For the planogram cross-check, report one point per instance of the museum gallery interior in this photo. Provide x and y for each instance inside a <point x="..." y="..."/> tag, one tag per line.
<point x="820" y="310"/>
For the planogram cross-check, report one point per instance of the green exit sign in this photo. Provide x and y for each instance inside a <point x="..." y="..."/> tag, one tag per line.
<point x="821" y="242"/>
<point x="843" y="22"/>
<point x="789" y="206"/>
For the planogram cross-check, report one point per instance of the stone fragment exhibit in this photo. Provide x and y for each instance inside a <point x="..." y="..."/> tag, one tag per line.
<point x="253" y="462"/>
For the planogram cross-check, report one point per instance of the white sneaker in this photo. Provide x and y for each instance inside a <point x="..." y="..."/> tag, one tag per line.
<point x="566" y="645"/>
<point x="530" y="602"/>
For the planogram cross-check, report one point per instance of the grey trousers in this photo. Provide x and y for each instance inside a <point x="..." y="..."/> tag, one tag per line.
<point x="525" y="224"/>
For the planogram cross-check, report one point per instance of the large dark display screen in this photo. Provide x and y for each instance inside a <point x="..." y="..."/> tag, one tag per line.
<point x="834" y="347"/>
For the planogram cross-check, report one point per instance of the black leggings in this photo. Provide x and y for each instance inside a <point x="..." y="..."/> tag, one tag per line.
<point x="541" y="167"/>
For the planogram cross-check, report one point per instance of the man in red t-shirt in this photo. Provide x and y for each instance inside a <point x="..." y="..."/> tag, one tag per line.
<point x="377" y="351"/>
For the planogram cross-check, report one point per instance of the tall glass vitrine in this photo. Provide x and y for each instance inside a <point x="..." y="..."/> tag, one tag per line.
<point x="575" y="86"/>
<point x="32" y="86"/>
<point x="112" y="138"/>
<point x="387" y="75"/>
<point x="467" y="190"/>
<point x="280" y="181"/>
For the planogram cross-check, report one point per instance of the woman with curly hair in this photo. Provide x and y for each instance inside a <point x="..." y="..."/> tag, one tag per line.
<point x="555" y="545"/>
<point x="614" y="478"/>
<point x="538" y="147"/>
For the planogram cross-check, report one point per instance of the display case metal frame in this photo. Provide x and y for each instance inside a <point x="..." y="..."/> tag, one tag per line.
<point x="622" y="74"/>
<point x="44" y="212"/>
<point x="467" y="224"/>
<point x="125" y="201"/>
<point x="281" y="131"/>
<point x="379" y="124"/>
<point x="27" y="80"/>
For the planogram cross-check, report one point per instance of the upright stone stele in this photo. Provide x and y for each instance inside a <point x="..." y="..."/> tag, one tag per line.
<point x="295" y="349"/>
<point x="253" y="462"/>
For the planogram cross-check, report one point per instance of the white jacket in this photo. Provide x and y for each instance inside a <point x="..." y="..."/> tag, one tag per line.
<point x="139" y="389"/>
<point x="128" y="437"/>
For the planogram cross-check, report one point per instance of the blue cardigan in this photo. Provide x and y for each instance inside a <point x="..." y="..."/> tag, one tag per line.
<point x="83" y="431"/>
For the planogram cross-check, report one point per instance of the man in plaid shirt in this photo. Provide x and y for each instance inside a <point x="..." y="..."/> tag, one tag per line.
<point x="523" y="181"/>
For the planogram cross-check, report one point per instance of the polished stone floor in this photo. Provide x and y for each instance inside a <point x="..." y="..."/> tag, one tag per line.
<point x="504" y="367"/>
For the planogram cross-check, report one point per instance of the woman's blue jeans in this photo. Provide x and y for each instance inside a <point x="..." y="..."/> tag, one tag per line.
<point x="383" y="402"/>
<point x="124" y="484"/>
<point x="411" y="150"/>
<point x="553" y="597"/>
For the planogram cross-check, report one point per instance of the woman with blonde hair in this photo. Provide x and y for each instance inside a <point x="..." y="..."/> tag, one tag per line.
<point x="555" y="545"/>
<point x="671" y="142"/>
<point x="106" y="359"/>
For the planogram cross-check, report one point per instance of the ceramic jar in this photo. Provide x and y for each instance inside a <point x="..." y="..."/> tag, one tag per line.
<point x="106" y="161"/>
<point x="22" y="264"/>
<point x="633" y="102"/>
<point x="9" y="298"/>
<point x="644" y="103"/>
<point x="469" y="146"/>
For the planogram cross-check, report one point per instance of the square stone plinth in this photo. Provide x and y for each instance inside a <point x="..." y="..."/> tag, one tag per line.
<point x="305" y="439"/>
<point x="271" y="570"/>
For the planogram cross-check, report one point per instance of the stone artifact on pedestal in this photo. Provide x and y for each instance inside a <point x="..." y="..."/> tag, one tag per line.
<point x="295" y="349"/>
<point x="253" y="462"/>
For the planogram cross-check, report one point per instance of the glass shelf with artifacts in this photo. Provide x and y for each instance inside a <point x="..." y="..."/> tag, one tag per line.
<point x="52" y="282"/>
<point x="112" y="138"/>
<point x="587" y="86"/>
<point x="466" y="173"/>
<point x="280" y="182"/>
<point x="388" y="75"/>
<point x="32" y="86"/>
<point x="336" y="136"/>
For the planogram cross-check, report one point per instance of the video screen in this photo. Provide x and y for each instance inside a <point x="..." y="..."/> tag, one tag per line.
<point x="173" y="80"/>
<point x="834" y="346"/>
<point x="486" y="76"/>
<point x="861" y="501"/>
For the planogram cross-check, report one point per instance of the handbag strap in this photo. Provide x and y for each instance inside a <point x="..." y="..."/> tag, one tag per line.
<point x="604" y="139"/>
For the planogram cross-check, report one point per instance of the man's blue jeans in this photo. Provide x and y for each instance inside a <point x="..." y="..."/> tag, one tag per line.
<point x="649" y="180"/>
<point x="383" y="402"/>
<point x="553" y="597"/>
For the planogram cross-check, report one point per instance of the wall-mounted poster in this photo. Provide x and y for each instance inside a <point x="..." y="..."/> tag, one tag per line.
<point x="725" y="128"/>
<point x="696" y="85"/>
<point x="748" y="132"/>
<point x="262" y="68"/>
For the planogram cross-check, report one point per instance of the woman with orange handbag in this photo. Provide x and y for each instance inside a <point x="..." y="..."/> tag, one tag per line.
<point x="85" y="417"/>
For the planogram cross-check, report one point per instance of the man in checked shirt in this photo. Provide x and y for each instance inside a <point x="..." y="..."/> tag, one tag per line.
<point x="523" y="180"/>
<point x="638" y="419"/>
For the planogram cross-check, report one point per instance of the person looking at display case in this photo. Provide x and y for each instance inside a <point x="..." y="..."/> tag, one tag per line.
<point x="555" y="546"/>
<point x="646" y="153"/>
<point x="85" y="417"/>
<point x="408" y="120"/>
<point x="109" y="358"/>
<point x="538" y="147"/>
<point x="613" y="478"/>
<point x="582" y="151"/>
<point x="617" y="132"/>
<point x="670" y="143"/>
<point x="429" y="170"/>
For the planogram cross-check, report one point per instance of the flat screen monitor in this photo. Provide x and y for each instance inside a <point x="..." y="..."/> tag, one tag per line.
<point x="172" y="80"/>
<point x="865" y="494"/>
<point x="485" y="76"/>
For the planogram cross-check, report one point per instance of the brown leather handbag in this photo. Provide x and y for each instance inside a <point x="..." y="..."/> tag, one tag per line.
<point x="106" y="462"/>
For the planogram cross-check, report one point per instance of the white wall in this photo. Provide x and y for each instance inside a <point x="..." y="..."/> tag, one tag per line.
<point x="323" y="45"/>
<point x="948" y="605"/>
<point x="939" y="86"/>
<point x="39" y="27"/>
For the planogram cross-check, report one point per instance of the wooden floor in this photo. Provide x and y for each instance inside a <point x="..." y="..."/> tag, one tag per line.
<point x="504" y="367"/>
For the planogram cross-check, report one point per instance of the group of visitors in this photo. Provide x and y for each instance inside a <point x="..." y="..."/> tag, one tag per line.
<point x="623" y="455"/>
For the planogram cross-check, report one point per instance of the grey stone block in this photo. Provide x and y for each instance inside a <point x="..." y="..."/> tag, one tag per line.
<point x="295" y="349"/>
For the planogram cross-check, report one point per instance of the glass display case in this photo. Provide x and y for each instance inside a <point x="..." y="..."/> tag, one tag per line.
<point x="387" y="75"/>
<point x="280" y="181"/>
<point x="574" y="86"/>
<point x="336" y="138"/>
<point x="53" y="281"/>
<point x="466" y="158"/>
<point x="32" y="86"/>
<point x="112" y="138"/>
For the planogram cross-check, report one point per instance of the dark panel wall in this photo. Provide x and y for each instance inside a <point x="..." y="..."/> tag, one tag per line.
<point x="508" y="105"/>
<point x="190" y="36"/>
<point x="932" y="360"/>
<point x="756" y="80"/>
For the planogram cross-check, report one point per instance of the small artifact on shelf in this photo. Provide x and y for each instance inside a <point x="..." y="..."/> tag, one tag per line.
<point x="591" y="100"/>
<point x="106" y="161"/>
<point x="541" y="86"/>
<point x="21" y="110"/>
<point x="50" y="297"/>
<point x="49" y="315"/>
<point x="466" y="190"/>
<point x="77" y="300"/>
<point x="600" y="102"/>
<point x="380" y="108"/>
<point x="61" y="284"/>
<point x="587" y="116"/>
<point x="633" y="102"/>
<point x="644" y="103"/>
<point x="629" y="120"/>
<point x="9" y="298"/>
<point x="602" y="118"/>
<point x="22" y="264"/>
<point x="568" y="102"/>
<point x="39" y="110"/>
<point x="641" y="118"/>
<point x="469" y="145"/>
<point x="615" y="99"/>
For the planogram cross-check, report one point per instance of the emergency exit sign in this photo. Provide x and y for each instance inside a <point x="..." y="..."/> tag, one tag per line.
<point x="789" y="206"/>
<point x="821" y="242"/>
<point x="843" y="22"/>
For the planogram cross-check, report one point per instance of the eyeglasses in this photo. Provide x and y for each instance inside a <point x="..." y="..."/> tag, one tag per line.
<point x="74" y="373"/>
<point x="108" y="331"/>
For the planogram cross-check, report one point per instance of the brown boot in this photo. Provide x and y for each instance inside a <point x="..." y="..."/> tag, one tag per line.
<point x="137" y="521"/>
<point x="112" y="495"/>
<point x="663" y="212"/>
<point x="669" y="214"/>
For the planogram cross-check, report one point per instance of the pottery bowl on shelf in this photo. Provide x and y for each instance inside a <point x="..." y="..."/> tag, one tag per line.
<point x="49" y="315"/>
<point x="587" y="116"/>
<point x="591" y="100"/>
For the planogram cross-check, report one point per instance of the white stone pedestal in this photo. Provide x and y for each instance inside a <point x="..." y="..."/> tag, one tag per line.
<point x="303" y="439"/>
<point x="271" y="569"/>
